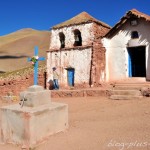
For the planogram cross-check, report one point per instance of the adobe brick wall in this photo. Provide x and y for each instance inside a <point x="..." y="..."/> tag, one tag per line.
<point x="98" y="56"/>
<point x="19" y="83"/>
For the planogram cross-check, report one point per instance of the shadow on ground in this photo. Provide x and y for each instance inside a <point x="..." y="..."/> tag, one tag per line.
<point x="12" y="57"/>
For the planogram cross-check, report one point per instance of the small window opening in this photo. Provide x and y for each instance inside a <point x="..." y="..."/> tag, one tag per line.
<point x="134" y="35"/>
<point x="77" y="38"/>
<point x="134" y="22"/>
<point x="62" y="40"/>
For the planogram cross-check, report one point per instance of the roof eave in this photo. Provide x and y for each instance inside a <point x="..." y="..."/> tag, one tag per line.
<point x="104" y="25"/>
<point x="127" y="16"/>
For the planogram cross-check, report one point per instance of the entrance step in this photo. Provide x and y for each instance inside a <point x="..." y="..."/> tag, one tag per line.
<point x="128" y="87"/>
<point x="137" y="79"/>
<point x="126" y="92"/>
<point x="125" y="97"/>
<point x="130" y="80"/>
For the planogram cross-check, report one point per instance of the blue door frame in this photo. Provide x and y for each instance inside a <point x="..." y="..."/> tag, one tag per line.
<point x="70" y="76"/>
<point x="129" y="65"/>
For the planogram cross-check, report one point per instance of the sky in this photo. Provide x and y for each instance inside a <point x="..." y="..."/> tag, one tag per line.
<point x="43" y="14"/>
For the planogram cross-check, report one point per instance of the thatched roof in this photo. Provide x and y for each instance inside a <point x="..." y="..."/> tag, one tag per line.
<point x="130" y="14"/>
<point x="80" y="19"/>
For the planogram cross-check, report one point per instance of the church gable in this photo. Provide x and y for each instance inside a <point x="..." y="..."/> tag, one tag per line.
<point x="131" y="16"/>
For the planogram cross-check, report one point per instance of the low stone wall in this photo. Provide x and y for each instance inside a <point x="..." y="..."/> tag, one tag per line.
<point x="12" y="87"/>
<point x="79" y="93"/>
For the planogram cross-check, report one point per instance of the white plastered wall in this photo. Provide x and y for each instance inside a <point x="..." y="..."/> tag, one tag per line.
<point x="85" y="30"/>
<point x="79" y="59"/>
<point x="116" y="50"/>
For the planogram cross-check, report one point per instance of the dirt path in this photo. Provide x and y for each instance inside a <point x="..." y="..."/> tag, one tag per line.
<point x="102" y="124"/>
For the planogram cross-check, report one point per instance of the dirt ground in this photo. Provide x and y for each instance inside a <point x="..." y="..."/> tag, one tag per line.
<point x="99" y="123"/>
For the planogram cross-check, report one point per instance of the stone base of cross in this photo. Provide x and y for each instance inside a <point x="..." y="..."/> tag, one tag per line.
<point x="34" y="61"/>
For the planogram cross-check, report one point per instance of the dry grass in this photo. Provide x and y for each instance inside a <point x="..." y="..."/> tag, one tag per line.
<point x="79" y="19"/>
<point x="21" y="72"/>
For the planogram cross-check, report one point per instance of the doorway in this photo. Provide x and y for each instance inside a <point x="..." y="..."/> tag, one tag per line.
<point x="70" y="76"/>
<point x="137" y="61"/>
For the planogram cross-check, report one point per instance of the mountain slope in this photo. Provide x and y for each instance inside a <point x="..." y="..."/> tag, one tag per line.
<point x="16" y="47"/>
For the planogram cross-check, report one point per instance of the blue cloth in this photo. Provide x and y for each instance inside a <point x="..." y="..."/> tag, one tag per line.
<point x="56" y="85"/>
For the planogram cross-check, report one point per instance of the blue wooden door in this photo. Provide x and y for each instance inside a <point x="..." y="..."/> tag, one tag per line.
<point x="129" y="65"/>
<point x="70" y="74"/>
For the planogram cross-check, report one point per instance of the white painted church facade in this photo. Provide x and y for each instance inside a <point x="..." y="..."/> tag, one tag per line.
<point x="127" y="47"/>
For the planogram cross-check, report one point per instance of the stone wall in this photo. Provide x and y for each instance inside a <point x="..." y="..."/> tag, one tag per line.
<point x="15" y="84"/>
<point x="98" y="56"/>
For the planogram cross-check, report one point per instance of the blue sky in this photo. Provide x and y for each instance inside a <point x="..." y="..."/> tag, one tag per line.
<point x="43" y="14"/>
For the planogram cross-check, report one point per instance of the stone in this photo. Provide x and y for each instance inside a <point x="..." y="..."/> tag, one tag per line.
<point x="35" y="88"/>
<point x="33" y="123"/>
<point x="35" y="96"/>
<point x="145" y="91"/>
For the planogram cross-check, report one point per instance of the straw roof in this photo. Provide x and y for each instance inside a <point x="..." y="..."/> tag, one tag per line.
<point x="81" y="18"/>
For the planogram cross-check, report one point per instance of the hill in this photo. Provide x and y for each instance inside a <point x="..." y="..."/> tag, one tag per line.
<point x="16" y="47"/>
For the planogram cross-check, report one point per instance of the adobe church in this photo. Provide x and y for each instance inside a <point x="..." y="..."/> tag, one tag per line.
<point x="87" y="52"/>
<point x="127" y="48"/>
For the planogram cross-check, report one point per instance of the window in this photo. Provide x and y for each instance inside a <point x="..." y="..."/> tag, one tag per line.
<point x="77" y="38"/>
<point x="134" y="35"/>
<point x="62" y="40"/>
<point x="133" y="22"/>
